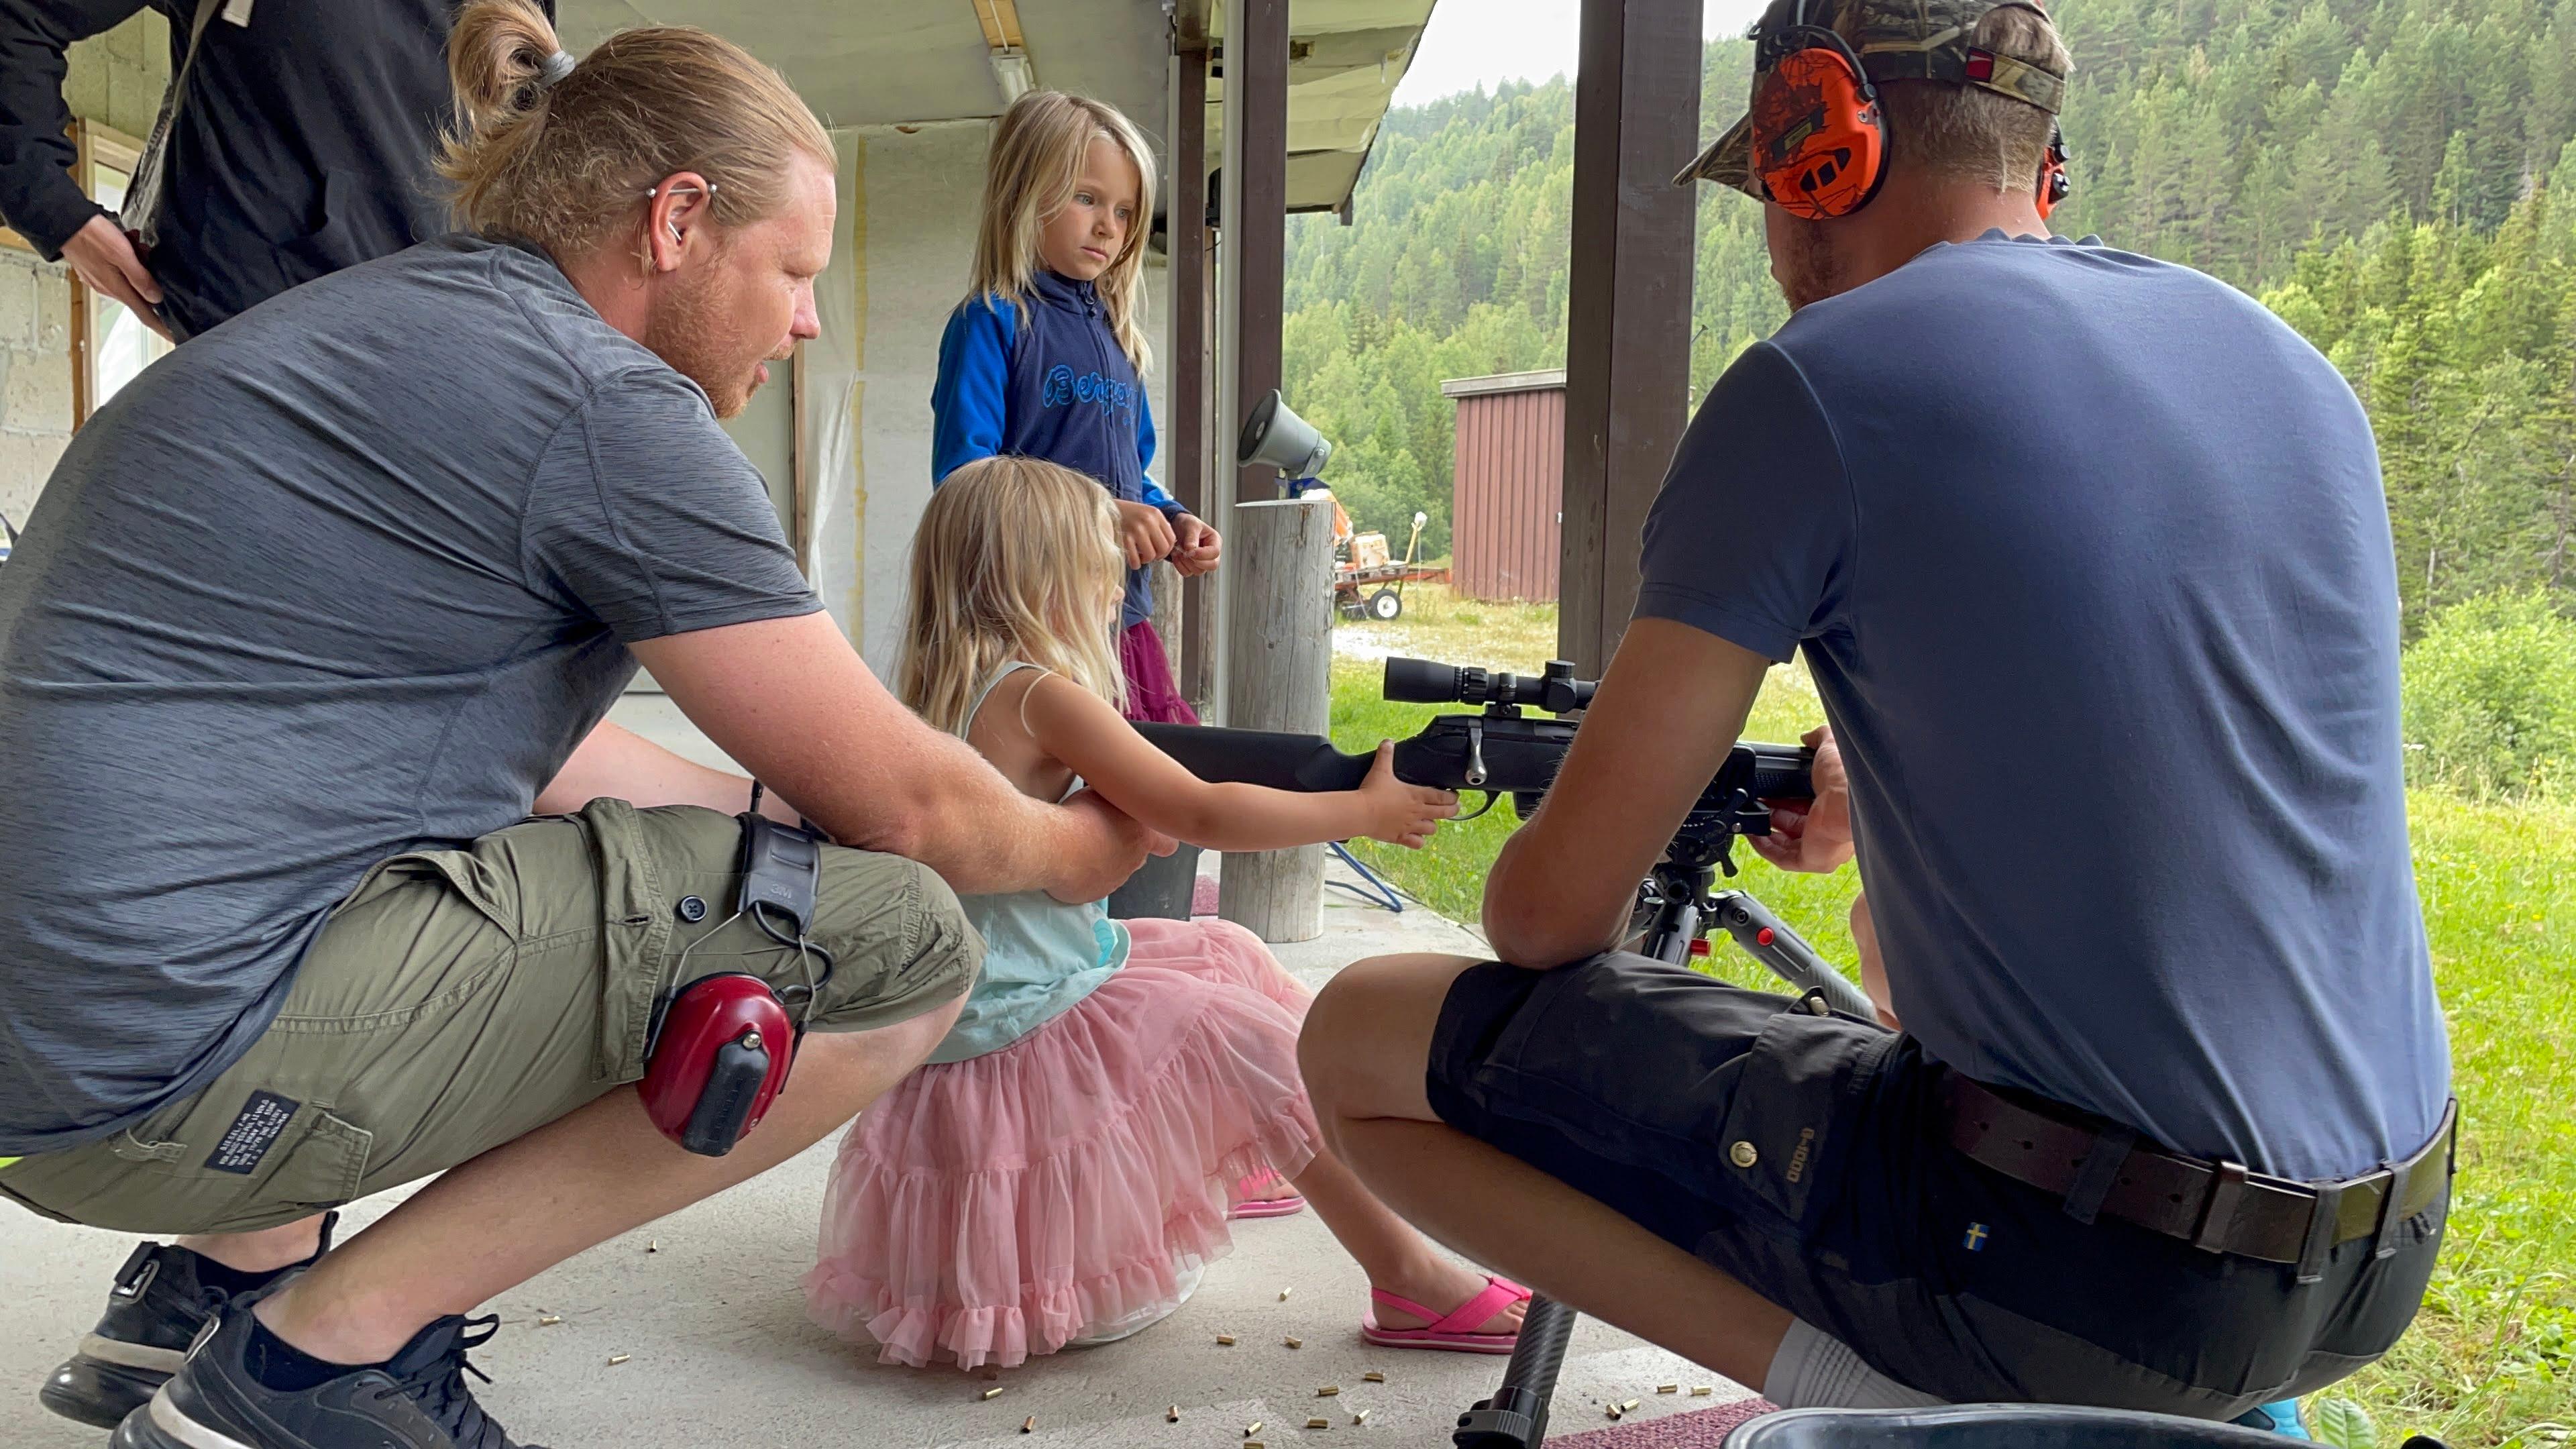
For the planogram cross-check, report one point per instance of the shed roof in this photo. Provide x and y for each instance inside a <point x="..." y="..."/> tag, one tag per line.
<point x="1503" y="382"/>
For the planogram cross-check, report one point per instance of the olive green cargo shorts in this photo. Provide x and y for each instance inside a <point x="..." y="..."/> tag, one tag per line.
<point x="462" y="998"/>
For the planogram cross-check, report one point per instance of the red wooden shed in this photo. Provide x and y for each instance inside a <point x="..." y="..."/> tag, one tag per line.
<point x="1506" y="510"/>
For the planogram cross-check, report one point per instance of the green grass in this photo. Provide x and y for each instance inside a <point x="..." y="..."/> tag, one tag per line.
<point x="2492" y="1357"/>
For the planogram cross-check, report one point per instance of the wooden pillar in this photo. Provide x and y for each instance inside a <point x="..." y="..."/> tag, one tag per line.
<point x="1256" y="215"/>
<point x="1188" y="431"/>
<point x="1636" y="122"/>
<point x="1280" y="678"/>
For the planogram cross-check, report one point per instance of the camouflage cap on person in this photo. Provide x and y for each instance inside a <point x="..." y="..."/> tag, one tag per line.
<point x="1896" y="40"/>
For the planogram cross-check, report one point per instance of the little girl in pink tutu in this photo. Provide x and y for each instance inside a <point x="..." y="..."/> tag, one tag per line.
<point x="1065" y="1166"/>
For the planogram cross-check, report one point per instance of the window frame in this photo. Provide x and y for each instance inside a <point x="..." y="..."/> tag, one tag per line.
<point x="95" y="144"/>
<point x="99" y="146"/>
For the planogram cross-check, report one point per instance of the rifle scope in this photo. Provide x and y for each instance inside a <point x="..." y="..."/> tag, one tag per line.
<point x="1425" y="681"/>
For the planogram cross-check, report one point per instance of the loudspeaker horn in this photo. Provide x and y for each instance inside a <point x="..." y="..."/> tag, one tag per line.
<point x="1276" y="436"/>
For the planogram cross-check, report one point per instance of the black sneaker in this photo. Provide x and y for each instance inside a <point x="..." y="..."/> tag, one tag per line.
<point x="153" y="1313"/>
<point x="415" y="1400"/>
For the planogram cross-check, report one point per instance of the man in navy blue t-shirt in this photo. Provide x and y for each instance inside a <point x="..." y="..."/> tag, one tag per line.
<point x="2087" y="556"/>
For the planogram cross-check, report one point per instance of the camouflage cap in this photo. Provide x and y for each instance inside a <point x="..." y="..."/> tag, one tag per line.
<point x="1896" y="40"/>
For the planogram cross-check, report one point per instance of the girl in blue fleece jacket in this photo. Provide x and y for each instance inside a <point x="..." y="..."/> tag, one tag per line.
<point x="1046" y="356"/>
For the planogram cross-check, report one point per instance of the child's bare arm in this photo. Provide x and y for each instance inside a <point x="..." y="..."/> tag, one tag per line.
<point x="1080" y="730"/>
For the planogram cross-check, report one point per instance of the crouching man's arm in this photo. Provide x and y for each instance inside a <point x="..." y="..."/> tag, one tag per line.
<point x="1669" y="709"/>
<point x="793" y="702"/>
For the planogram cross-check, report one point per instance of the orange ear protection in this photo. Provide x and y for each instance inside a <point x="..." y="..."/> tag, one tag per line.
<point x="2053" y="185"/>
<point x="1819" y="137"/>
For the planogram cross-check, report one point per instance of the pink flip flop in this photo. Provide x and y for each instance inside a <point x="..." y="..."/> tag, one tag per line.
<point x="1456" y="1332"/>
<point x="1264" y="1207"/>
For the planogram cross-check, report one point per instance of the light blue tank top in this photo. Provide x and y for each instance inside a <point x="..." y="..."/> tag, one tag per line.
<point x="1041" y="956"/>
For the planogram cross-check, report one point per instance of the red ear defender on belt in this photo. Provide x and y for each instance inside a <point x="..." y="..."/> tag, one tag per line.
<point x="1819" y="137"/>
<point x="720" y="1048"/>
<point x="718" y="1059"/>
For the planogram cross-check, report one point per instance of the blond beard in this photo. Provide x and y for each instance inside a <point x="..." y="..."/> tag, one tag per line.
<point x="695" y="332"/>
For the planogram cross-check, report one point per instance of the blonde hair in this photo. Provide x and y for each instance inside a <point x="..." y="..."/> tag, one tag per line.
<point x="1016" y="559"/>
<point x="1970" y="132"/>
<point x="564" y="162"/>
<point x="1029" y="174"/>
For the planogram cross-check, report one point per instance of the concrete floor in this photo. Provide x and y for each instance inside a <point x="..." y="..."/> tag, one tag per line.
<point x="720" y="1352"/>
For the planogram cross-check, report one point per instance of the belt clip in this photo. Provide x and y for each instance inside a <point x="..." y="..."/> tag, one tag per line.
<point x="2218" y="1210"/>
<point x="2100" y="1169"/>
<point x="2325" y="1219"/>
<point x="2398" y="1173"/>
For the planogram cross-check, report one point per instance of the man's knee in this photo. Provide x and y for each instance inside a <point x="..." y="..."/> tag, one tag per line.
<point x="901" y="950"/>
<point x="1367" y="1040"/>
<point x="885" y="1054"/>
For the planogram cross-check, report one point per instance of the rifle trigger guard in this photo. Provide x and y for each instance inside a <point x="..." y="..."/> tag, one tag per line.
<point x="1476" y="756"/>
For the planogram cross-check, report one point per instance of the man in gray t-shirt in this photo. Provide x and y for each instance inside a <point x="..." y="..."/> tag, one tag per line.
<point x="309" y="623"/>
<point x="2087" y="558"/>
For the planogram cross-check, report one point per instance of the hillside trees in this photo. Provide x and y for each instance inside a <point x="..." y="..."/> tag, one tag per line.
<point x="2386" y="174"/>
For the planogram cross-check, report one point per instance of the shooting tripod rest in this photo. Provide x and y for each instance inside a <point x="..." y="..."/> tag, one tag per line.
<point x="1684" y="904"/>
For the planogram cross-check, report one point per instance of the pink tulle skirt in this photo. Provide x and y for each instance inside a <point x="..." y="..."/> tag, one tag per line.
<point x="995" y="1208"/>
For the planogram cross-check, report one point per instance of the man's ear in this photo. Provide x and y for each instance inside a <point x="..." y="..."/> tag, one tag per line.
<point x="676" y="210"/>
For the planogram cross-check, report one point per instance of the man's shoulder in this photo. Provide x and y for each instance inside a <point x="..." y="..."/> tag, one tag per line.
<point x="1962" y="288"/>
<point x="2030" y="313"/>
<point x="474" y="304"/>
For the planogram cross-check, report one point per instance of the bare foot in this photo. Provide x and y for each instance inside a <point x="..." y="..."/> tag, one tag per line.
<point x="1445" y="1286"/>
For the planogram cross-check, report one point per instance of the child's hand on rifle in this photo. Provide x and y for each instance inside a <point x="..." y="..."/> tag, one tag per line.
<point x="1398" y="813"/>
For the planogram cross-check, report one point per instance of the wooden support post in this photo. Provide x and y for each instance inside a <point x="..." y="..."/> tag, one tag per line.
<point x="1280" y="645"/>
<point x="1256" y="83"/>
<point x="1636" y="122"/>
<point x="1188" y="430"/>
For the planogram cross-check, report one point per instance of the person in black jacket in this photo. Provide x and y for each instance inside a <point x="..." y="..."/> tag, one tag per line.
<point x="300" y="145"/>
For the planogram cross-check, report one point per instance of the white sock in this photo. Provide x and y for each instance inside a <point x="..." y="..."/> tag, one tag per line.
<point x="1814" y="1371"/>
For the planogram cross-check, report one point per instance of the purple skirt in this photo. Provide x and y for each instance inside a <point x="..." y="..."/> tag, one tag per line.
<point x="1151" y="692"/>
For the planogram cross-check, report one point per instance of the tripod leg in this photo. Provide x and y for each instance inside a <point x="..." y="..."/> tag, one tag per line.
<point x="1516" y="1416"/>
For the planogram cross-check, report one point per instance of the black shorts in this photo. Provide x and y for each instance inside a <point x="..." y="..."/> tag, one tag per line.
<point x="1806" y="1157"/>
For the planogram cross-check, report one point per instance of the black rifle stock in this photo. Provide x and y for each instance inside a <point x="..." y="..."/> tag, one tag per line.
<point x="1505" y="755"/>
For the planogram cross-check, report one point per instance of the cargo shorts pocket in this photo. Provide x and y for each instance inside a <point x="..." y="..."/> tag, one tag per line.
<point x="1780" y="1145"/>
<point x="215" y="1164"/>
<point x="320" y="1166"/>
<point x="234" y="1185"/>
<point x="634" y="934"/>
<point x="580" y="892"/>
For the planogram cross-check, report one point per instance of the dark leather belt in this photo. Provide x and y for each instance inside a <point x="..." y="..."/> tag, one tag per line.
<point x="2219" y="1207"/>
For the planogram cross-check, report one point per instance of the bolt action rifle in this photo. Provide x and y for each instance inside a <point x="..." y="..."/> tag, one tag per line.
<point x="1504" y="752"/>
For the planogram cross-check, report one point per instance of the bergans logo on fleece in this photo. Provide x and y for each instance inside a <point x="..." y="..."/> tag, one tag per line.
<point x="1065" y="389"/>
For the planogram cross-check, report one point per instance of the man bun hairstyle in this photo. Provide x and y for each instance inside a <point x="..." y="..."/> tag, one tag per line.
<point x="1967" y="131"/>
<point x="561" y="153"/>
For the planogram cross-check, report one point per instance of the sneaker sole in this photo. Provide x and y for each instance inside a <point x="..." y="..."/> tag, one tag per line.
<point x="160" y="1425"/>
<point x="101" y="1389"/>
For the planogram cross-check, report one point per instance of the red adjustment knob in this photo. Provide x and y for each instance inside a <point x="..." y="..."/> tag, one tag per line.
<point x="1763" y="937"/>
<point x="1700" y="946"/>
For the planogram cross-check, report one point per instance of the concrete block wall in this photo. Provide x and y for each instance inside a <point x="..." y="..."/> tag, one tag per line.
<point x="115" y="78"/>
